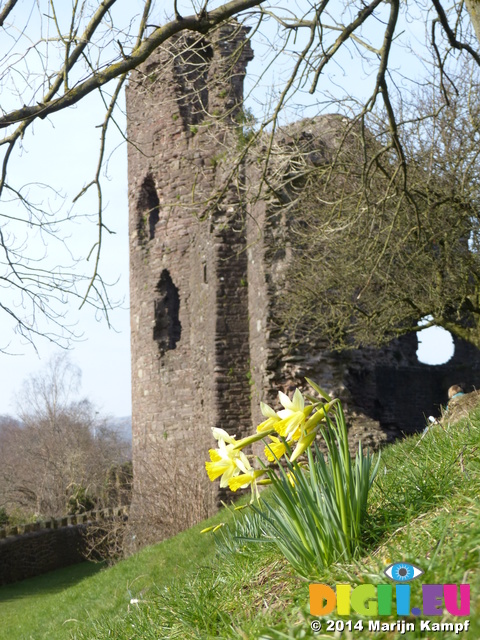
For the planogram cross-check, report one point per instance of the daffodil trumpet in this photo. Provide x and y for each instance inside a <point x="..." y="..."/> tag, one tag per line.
<point x="245" y="479"/>
<point x="276" y="449"/>
<point x="250" y="478"/>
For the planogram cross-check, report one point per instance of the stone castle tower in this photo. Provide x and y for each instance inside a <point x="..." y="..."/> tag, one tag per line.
<point x="189" y="307"/>
<point x="205" y="275"/>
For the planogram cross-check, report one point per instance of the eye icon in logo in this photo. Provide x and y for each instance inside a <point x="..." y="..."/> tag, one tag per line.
<point x="402" y="571"/>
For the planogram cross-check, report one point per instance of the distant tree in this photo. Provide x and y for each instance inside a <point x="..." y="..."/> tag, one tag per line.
<point x="59" y="458"/>
<point x="119" y="484"/>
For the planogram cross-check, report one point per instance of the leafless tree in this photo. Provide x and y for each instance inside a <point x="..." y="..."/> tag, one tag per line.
<point x="373" y="248"/>
<point x="61" y="452"/>
<point x="57" y="57"/>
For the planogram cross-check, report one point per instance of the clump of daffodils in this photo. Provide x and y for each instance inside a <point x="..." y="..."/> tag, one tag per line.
<point x="290" y="432"/>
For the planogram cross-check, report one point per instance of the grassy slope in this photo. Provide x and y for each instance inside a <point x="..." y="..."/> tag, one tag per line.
<point x="424" y="509"/>
<point x="55" y="604"/>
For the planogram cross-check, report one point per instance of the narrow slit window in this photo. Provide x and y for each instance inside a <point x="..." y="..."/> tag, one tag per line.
<point x="148" y="209"/>
<point x="167" y="328"/>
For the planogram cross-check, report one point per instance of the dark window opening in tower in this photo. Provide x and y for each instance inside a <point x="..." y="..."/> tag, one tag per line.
<point x="191" y="66"/>
<point x="148" y="207"/>
<point x="167" y="329"/>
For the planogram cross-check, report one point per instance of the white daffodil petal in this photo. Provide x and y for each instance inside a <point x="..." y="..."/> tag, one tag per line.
<point x="267" y="411"/>
<point x="285" y="413"/>
<point x="285" y="401"/>
<point x="224" y="450"/>
<point x="243" y="463"/>
<point x="298" y="401"/>
<point x="221" y="434"/>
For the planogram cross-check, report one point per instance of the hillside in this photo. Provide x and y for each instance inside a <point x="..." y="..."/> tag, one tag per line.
<point x="424" y="510"/>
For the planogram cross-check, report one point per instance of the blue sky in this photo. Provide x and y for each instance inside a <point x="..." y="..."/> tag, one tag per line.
<point x="62" y="150"/>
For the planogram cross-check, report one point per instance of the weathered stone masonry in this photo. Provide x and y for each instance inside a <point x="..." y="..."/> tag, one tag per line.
<point x="189" y="310"/>
<point x="204" y="281"/>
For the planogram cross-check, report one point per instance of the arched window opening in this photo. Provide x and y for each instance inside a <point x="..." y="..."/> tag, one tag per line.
<point x="435" y="344"/>
<point x="167" y="328"/>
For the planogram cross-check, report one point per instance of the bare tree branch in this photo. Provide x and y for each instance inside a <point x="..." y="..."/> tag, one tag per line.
<point x="7" y="9"/>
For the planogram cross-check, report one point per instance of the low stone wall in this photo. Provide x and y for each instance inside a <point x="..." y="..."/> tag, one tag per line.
<point x="32" y="549"/>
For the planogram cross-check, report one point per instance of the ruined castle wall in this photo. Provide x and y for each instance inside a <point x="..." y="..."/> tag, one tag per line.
<point x="386" y="391"/>
<point x="277" y="364"/>
<point x="207" y="278"/>
<point x="35" y="553"/>
<point x="165" y="268"/>
<point x="189" y="315"/>
<point x="394" y="388"/>
<point x="29" y="550"/>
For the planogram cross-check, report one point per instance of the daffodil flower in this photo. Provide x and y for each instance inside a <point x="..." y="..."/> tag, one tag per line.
<point x="271" y="416"/>
<point x="275" y="449"/>
<point x="294" y="423"/>
<point x="310" y="430"/>
<point x="226" y="461"/>
<point x="293" y="416"/>
<point x="247" y="479"/>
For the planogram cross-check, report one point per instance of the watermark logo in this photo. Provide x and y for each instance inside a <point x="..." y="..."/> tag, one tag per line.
<point x="377" y="600"/>
<point x="402" y="572"/>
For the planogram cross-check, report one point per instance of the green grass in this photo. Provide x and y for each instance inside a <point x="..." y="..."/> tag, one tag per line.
<point x="56" y="604"/>
<point x="424" y="509"/>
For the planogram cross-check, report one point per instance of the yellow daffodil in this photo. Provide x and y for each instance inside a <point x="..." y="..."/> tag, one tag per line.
<point x="286" y="421"/>
<point x="293" y="416"/>
<point x="247" y="479"/>
<point x="271" y="416"/>
<point x="275" y="449"/>
<point x="226" y="461"/>
<point x="309" y="430"/>
<point x="294" y="423"/>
